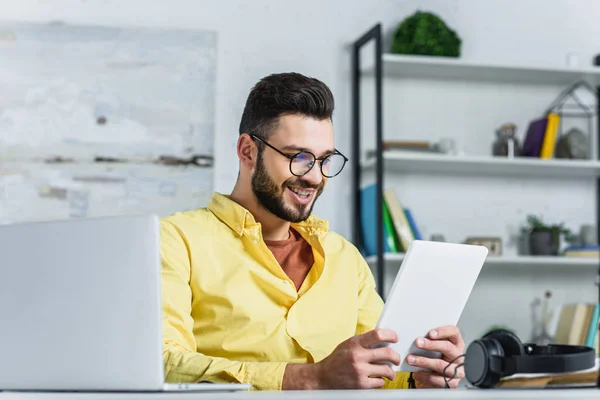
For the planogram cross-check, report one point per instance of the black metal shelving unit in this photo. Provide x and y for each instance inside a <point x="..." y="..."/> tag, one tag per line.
<point x="375" y="35"/>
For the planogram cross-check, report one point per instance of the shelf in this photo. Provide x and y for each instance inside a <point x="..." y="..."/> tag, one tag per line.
<point x="486" y="165"/>
<point x="507" y="261"/>
<point x="456" y="68"/>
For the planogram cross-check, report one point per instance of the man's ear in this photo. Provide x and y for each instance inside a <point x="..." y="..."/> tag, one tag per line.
<point x="247" y="151"/>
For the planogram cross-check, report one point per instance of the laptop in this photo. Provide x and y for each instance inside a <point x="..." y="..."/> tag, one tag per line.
<point x="81" y="307"/>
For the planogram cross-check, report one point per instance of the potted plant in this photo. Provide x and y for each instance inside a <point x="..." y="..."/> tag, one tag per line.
<point x="425" y="34"/>
<point x="544" y="239"/>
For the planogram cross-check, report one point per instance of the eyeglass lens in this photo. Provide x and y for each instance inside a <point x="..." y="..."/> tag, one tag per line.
<point x="331" y="166"/>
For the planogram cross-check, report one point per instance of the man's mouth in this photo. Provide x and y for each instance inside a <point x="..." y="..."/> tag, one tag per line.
<point x="302" y="193"/>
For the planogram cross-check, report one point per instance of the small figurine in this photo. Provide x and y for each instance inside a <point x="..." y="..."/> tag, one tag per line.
<point x="506" y="144"/>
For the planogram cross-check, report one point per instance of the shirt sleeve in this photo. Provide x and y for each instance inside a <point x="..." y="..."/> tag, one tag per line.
<point x="370" y="306"/>
<point x="181" y="360"/>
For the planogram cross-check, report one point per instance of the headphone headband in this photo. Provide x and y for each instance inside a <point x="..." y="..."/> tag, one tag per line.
<point x="550" y="359"/>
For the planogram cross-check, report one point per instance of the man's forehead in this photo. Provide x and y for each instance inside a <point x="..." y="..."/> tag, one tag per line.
<point x="304" y="133"/>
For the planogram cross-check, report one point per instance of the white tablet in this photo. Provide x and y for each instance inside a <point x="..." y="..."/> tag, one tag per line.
<point x="431" y="290"/>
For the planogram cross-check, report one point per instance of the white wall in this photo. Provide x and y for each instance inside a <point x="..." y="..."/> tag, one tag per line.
<point x="260" y="37"/>
<point x="256" y="38"/>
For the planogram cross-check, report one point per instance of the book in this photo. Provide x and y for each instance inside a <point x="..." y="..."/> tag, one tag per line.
<point x="590" y="339"/>
<point x="582" y="251"/>
<point x="389" y="232"/>
<point x="413" y="225"/>
<point x="574" y="379"/>
<point x="534" y="138"/>
<point x="401" y="223"/>
<point x="549" y="143"/>
<point x="570" y="324"/>
<point x="578" y="325"/>
<point x="368" y="215"/>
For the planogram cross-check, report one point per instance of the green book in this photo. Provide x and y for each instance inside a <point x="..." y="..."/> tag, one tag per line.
<point x="390" y="232"/>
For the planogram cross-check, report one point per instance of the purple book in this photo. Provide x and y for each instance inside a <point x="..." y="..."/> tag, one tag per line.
<point x="535" y="137"/>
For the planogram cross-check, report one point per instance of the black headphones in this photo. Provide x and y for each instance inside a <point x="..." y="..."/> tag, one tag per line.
<point x="500" y="353"/>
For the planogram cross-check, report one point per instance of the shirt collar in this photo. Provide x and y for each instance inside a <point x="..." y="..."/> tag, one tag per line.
<point x="238" y="218"/>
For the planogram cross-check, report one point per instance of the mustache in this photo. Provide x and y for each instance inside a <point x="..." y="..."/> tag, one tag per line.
<point x="304" y="184"/>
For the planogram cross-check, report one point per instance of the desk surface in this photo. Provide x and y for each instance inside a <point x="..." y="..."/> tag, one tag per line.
<point x="326" y="395"/>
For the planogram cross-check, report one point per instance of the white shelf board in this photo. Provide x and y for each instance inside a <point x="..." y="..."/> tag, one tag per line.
<point x="500" y="261"/>
<point x="457" y="68"/>
<point x="485" y="165"/>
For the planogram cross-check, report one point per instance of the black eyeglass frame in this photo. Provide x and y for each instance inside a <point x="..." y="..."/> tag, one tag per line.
<point x="292" y="157"/>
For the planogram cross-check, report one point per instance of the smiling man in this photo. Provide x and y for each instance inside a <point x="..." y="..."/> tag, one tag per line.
<point x="258" y="290"/>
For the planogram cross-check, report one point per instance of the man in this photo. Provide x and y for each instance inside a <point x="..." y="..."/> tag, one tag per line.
<point x="257" y="290"/>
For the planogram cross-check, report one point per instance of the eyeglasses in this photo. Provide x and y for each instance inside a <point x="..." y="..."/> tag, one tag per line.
<point x="302" y="162"/>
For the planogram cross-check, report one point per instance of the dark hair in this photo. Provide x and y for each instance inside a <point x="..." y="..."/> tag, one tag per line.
<point x="284" y="94"/>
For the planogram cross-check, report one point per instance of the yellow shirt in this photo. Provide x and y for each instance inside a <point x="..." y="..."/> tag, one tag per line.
<point x="231" y="314"/>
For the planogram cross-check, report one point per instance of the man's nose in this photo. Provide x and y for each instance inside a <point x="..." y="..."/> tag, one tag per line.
<point x="314" y="176"/>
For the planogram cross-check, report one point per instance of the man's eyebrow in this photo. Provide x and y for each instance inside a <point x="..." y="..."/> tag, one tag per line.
<point x="298" y="148"/>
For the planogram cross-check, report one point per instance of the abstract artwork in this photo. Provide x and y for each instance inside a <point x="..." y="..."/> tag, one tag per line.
<point x="98" y="121"/>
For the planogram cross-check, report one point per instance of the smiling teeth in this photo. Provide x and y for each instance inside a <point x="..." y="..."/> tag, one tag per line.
<point x="301" y="193"/>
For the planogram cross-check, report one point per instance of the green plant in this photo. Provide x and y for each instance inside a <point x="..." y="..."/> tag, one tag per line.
<point x="424" y="33"/>
<point x="536" y="224"/>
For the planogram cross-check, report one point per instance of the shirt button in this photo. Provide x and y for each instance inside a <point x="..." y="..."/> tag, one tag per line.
<point x="255" y="241"/>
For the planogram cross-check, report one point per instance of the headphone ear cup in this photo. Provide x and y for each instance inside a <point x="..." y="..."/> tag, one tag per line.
<point x="510" y="343"/>
<point x="478" y="369"/>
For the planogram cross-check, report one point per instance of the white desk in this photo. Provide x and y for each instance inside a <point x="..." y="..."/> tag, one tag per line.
<point x="325" y="395"/>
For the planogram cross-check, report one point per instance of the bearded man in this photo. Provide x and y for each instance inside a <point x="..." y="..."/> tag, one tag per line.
<point x="257" y="290"/>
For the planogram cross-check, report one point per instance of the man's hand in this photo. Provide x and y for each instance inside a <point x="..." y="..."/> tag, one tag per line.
<point x="354" y="364"/>
<point x="448" y="341"/>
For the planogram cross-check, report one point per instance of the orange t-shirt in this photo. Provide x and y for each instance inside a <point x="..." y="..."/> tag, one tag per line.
<point x="294" y="255"/>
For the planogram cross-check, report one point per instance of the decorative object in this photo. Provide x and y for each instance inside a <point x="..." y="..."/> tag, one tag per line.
<point x="106" y="112"/>
<point x="573" y="144"/>
<point x="506" y="144"/>
<point x="437" y="237"/>
<point x="523" y="244"/>
<point x="570" y="106"/>
<point x="587" y="235"/>
<point x="573" y="60"/>
<point x="493" y="244"/>
<point x="426" y="34"/>
<point x="447" y="146"/>
<point x="540" y="335"/>
<point x="544" y="239"/>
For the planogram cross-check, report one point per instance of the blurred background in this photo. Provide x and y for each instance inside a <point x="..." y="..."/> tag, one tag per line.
<point x="489" y="130"/>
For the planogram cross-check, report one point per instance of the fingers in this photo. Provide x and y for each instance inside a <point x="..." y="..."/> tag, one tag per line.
<point x="450" y="332"/>
<point x="432" y="380"/>
<point x="376" y="336"/>
<point x="381" y="371"/>
<point x="433" y="364"/>
<point x="373" y="383"/>
<point x="438" y="366"/>
<point x="447" y="348"/>
<point x="384" y="354"/>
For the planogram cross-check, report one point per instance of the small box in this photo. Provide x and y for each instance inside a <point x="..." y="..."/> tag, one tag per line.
<point x="493" y="244"/>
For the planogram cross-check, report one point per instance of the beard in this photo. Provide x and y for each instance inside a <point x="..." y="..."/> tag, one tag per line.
<point x="270" y="196"/>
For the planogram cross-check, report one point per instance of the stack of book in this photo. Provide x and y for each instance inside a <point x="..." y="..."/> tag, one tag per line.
<point x="578" y="325"/>
<point x="583" y="251"/>
<point x="399" y="226"/>
<point x="540" y="140"/>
